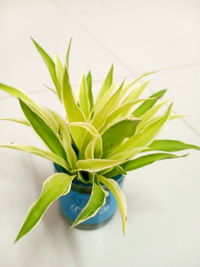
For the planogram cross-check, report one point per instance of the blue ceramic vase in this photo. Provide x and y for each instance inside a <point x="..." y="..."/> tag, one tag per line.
<point x="72" y="203"/>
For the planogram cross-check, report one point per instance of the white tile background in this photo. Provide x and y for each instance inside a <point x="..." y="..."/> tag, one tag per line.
<point x="163" y="199"/>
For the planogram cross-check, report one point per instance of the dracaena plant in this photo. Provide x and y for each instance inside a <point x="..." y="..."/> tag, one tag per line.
<point x="96" y="140"/>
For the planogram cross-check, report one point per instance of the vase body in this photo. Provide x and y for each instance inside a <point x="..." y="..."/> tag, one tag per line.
<point x="72" y="203"/>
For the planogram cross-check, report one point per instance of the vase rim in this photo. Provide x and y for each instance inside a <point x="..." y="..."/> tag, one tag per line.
<point x="77" y="182"/>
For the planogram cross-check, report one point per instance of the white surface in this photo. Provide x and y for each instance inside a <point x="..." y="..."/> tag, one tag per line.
<point x="163" y="199"/>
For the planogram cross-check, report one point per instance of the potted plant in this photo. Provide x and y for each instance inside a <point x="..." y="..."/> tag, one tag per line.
<point x="95" y="145"/>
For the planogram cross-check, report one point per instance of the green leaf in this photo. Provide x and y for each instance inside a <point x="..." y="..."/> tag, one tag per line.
<point x="84" y="100"/>
<point x="89" y="85"/>
<point x="106" y="170"/>
<point x="148" y="159"/>
<point x="98" y="105"/>
<point x="86" y="138"/>
<point x="147" y="117"/>
<point x="68" y="54"/>
<point x="120" y="170"/>
<point x="113" y="186"/>
<point x="87" y="126"/>
<point x="67" y="144"/>
<point x="96" y="201"/>
<point x="144" y="137"/>
<point x="111" y="172"/>
<point x="144" y="107"/>
<point x="22" y="121"/>
<point x="50" y="65"/>
<point x="59" y="70"/>
<point x="106" y="84"/>
<point x="101" y="115"/>
<point x="55" y="119"/>
<point x="43" y="130"/>
<point x="96" y="164"/>
<point x="136" y="92"/>
<point x="21" y="95"/>
<point x="114" y="135"/>
<point x="127" y="87"/>
<point x="142" y="161"/>
<point x="126" y="154"/>
<point x="55" y="186"/>
<point x="171" y="117"/>
<point x="94" y="148"/>
<point x="122" y="110"/>
<point x="74" y="113"/>
<point x="170" y="146"/>
<point x="39" y="152"/>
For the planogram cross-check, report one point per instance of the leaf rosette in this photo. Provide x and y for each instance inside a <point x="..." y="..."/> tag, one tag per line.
<point x="103" y="137"/>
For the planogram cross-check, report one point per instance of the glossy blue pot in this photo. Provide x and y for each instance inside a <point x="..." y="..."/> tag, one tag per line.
<point x="72" y="203"/>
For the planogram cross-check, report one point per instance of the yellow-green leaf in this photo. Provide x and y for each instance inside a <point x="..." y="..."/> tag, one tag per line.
<point x="117" y="132"/>
<point x="84" y="100"/>
<point x="59" y="70"/>
<point x="96" y="164"/>
<point x="89" y="85"/>
<point x="130" y="85"/>
<point x="39" y="152"/>
<point x="43" y="130"/>
<point x="55" y="186"/>
<point x="98" y="105"/>
<point x="56" y="120"/>
<point x="120" y="170"/>
<point x="50" y="65"/>
<point x="142" y="161"/>
<point x="144" y="137"/>
<point x="25" y="98"/>
<point x="87" y="126"/>
<point x="126" y="154"/>
<point x="67" y="144"/>
<point x="113" y="186"/>
<point x="106" y="84"/>
<point x="148" y="159"/>
<point x="96" y="201"/>
<point x="101" y="115"/>
<point x="94" y="148"/>
<point x="68" y="54"/>
<point x="74" y="113"/>
<point x="146" y="118"/>
<point x="136" y="92"/>
<point x="21" y="121"/>
<point x="86" y="138"/>
<point x="170" y="146"/>
<point x="122" y="110"/>
<point x="144" y="107"/>
<point x="19" y="94"/>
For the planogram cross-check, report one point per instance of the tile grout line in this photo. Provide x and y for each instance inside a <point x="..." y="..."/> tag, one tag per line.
<point x="73" y="85"/>
<point x="191" y="127"/>
<point x="119" y="59"/>
<point x="63" y="10"/>
<point x="176" y="12"/>
<point x="119" y="77"/>
<point x="177" y="67"/>
<point x="104" y="46"/>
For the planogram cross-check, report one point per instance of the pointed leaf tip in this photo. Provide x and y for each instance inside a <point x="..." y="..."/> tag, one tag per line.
<point x="62" y="182"/>
<point x="96" y="201"/>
